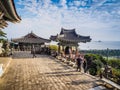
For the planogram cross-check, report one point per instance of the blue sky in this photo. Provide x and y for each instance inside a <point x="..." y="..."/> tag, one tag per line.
<point x="99" y="19"/>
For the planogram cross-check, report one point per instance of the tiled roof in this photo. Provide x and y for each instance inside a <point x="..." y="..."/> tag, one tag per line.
<point x="7" y="7"/>
<point x="8" y="13"/>
<point x="31" y="38"/>
<point x="70" y="36"/>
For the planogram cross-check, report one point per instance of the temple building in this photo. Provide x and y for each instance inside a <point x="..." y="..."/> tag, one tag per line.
<point x="26" y="42"/>
<point x="68" y="38"/>
<point x="8" y="13"/>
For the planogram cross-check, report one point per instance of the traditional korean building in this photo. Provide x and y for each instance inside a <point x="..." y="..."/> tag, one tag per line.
<point x="8" y="13"/>
<point x="69" y="38"/>
<point x="27" y="41"/>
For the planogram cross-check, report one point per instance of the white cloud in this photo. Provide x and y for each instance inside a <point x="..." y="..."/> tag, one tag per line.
<point x="63" y="2"/>
<point x="77" y="3"/>
<point x="47" y="19"/>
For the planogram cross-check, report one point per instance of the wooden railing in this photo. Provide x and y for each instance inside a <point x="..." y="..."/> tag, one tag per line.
<point x="109" y="78"/>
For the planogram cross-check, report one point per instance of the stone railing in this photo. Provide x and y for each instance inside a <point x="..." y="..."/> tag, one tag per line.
<point x="1" y="69"/>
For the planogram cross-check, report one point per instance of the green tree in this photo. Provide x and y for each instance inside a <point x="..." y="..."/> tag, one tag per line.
<point x="115" y="63"/>
<point x="2" y="35"/>
<point x="94" y="62"/>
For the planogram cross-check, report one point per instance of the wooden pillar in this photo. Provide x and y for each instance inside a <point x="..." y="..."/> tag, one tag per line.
<point x="63" y="51"/>
<point x="70" y="51"/>
<point x="18" y="47"/>
<point x="77" y="52"/>
<point x="63" y="48"/>
<point x="13" y="46"/>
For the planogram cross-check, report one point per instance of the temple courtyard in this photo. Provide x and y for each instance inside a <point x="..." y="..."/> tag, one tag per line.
<point x="44" y="73"/>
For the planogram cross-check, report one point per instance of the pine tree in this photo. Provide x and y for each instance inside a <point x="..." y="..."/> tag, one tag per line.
<point x="2" y="35"/>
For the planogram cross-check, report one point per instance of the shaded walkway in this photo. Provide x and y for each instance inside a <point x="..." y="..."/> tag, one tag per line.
<point x="23" y="54"/>
<point x="44" y="73"/>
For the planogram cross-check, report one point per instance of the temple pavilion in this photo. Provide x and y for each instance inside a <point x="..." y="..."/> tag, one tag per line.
<point x="8" y="13"/>
<point x="68" y="38"/>
<point x="26" y="42"/>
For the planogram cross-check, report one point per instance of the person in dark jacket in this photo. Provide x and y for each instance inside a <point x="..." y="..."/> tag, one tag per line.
<point x="33" y="51"/>
<point x="79" y="62"/>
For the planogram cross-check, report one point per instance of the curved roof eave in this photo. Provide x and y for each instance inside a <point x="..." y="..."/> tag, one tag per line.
<point x="8" y="8"/>
<point x="14" y="11"/>
<point x="75" y="41"/>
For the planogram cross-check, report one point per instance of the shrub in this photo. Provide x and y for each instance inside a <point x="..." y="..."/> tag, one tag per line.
<point x="94" y="63"/>
<point x="6" y="48"/>
<point x="92" y="71"/>
<point x="115" y="63"/>
<point x="116" y="75"/>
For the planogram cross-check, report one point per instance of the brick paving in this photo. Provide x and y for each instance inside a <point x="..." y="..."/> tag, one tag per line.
<point x="44" y="73"/>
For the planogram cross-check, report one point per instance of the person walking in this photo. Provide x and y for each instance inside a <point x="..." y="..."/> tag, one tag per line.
<point x="33" y="51"/>
<point x="84" y="65"/>
<point x="79" y="62"/>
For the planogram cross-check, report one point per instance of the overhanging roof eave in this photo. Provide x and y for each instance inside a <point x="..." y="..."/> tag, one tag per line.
<point x="8" y="8"/>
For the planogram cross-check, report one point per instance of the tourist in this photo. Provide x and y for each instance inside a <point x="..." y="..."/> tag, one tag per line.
<point x="79" y="62"/>
<point x="84" y="64"/>
<point x="33" y="51"/>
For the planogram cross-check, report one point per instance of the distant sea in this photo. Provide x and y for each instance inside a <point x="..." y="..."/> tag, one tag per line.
<point x="100" y="45"/>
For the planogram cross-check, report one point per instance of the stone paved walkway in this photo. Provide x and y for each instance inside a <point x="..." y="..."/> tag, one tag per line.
<point x="44" y="73"/>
